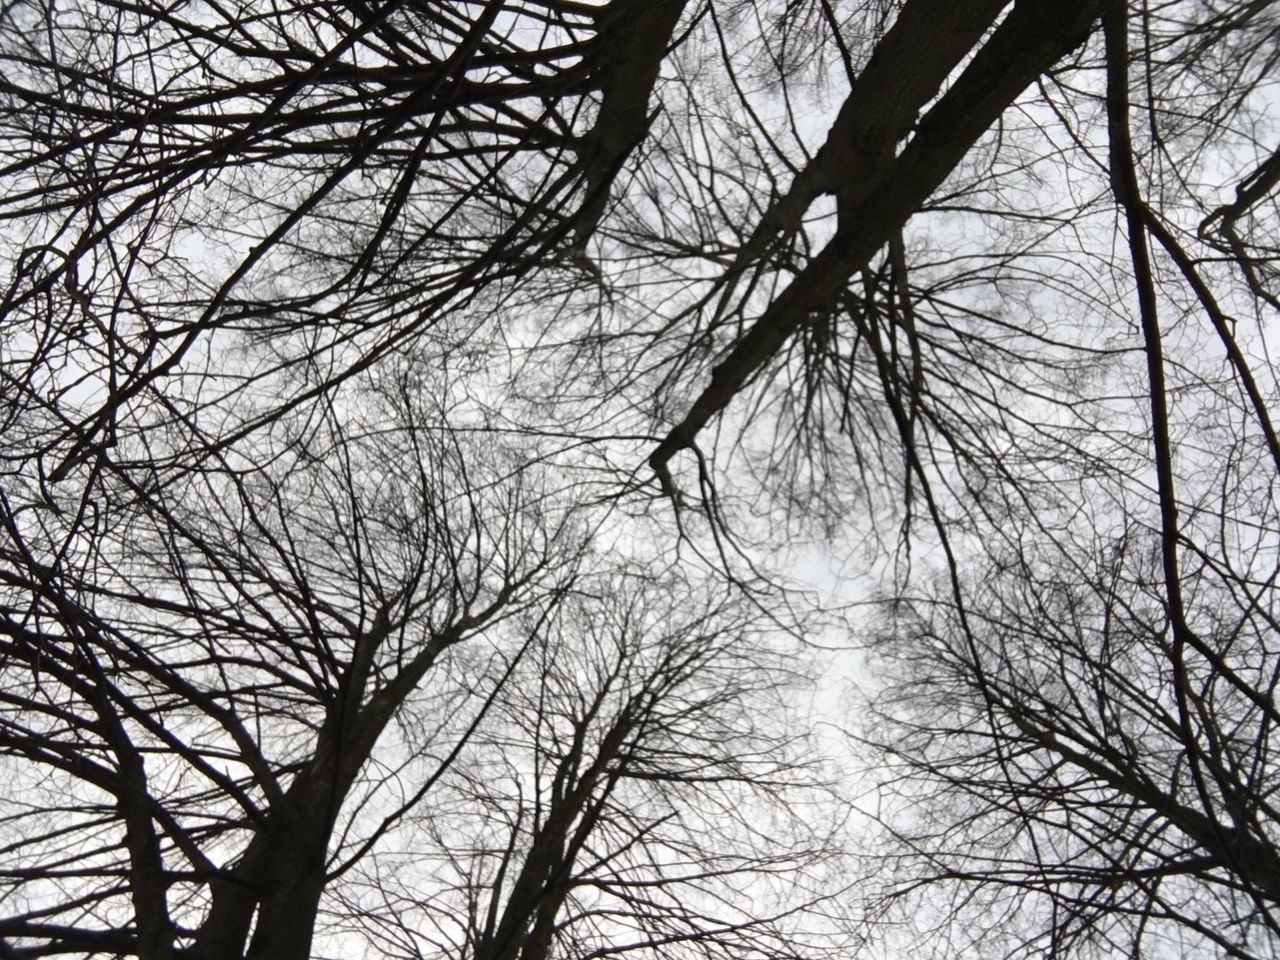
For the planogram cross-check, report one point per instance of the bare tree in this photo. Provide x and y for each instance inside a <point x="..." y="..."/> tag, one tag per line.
<point x="639" y="789"/>
<point x="199" y="677"/>
<point x="337" y="336"/>
<point x="225" y="709"/>
<point x="1081" y="710"/>
<point x="1079" y="779"/>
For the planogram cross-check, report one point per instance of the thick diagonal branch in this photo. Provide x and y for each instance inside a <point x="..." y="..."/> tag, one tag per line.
<point x="1033" y="37"/>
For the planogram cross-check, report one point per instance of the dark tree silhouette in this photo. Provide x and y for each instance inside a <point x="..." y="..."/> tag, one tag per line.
<point x="381" y="381"/>
<point x="640" y="792"/>
<point x="1079" y="711"/>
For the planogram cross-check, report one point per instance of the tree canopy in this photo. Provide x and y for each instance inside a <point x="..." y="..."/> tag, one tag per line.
<point x="446" y="441"/>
